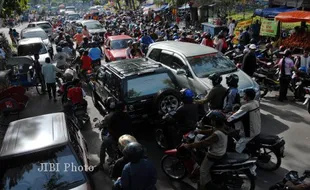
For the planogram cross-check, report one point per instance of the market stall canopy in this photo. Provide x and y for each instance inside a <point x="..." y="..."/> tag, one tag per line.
<point x="155" y="7"/>
<point x="294" y="16"/>
<point x="272" y="12"/>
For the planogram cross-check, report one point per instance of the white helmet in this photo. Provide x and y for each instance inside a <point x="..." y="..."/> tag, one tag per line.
<point x="124" y="140"/>
<point x="252" y="47"/>
<point x="246" y="50"/>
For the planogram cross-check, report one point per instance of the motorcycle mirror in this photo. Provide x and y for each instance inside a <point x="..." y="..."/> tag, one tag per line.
<point x="95" y="119"/>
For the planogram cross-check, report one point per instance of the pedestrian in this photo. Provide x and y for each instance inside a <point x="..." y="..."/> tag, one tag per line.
<point x="231" y="27"/>
<point x="207" y="41"/>
<point x="49" y="72"/>
<point x="249" y="61"/>
<point x="286" y="65"/>
<point x="38" y="70"/>
<point x="85" y="32"/>
<point x="2" y="58"/>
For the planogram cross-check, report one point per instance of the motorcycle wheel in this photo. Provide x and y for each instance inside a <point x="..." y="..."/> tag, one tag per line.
<point x="176" y="164"/>
<point x="309" y="107"/>
<point x="264" y="159"/>
<point x="161" y="139"/>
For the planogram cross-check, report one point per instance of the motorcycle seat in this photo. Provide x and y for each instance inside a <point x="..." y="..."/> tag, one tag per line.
<point x="266" y="139"/>
<point x="260" y="75"/>
<point x="233" y="158"/>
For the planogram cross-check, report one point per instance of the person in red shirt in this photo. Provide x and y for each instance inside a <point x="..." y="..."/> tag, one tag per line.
<point x="207" y="41"/>
<point x="86" y="65"/>
<point x="76" y="94"/>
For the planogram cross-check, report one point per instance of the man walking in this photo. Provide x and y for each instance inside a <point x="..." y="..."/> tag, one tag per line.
<point x="49" y="72"/>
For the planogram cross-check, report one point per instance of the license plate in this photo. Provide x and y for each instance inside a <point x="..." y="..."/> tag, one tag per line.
<point x="252" y="170"/>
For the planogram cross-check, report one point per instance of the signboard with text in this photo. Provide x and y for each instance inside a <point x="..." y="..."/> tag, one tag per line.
<point x="240" y="25"/>
<point x="269" y="28"/>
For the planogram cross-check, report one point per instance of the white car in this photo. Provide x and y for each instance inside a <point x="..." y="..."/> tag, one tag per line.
<point x="37" y="32"/>
<point x="46" y="26"/>
<point x="31" y="46"/>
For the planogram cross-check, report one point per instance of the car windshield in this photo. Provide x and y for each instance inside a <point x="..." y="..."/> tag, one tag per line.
<point x="36" y="34"/>
<point x="74" y="17"/>
<point x="45" y="26"/>
<point x="148" y="85"/>
<point x="93" y="25"/>
<point x="204" y="65"/>
<point x="28" y="171"/>
<point x="119" y="44"/>
<point x="31" y="49"/>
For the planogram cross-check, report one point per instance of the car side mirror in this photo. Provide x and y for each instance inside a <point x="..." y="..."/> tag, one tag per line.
<point x="181" y="72"/>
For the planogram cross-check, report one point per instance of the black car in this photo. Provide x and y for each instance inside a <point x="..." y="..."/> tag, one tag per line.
<point x="146" y="88"/>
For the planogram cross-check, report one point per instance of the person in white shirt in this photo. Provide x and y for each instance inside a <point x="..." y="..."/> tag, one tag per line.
<point x="61" y="58"/>
<point x="304" y="61"/>
<point x="231" y="27"/>
<point x="128" y="50"/>
<point x="247" y="120"/>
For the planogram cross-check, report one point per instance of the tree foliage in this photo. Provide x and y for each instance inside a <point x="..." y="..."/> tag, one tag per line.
<point x="9" y="6"/>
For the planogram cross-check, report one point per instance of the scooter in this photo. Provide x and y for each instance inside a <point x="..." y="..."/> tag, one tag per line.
<point x="233" y="171"/>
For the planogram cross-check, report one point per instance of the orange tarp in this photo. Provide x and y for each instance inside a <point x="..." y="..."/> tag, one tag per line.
<point x="294" y="16"/>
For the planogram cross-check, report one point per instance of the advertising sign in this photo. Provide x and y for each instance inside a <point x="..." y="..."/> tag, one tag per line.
<point x="269" y="28"/>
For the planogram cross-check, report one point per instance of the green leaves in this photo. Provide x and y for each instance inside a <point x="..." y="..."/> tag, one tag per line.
<point x="10" y="6"/>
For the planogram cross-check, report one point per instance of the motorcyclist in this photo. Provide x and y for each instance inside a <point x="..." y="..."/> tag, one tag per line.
<point x="232" y="97"/>
<point x="250" y="120"/>
<point x="96" y="38"/>
<point x="140" y="173"/>
<point x="94" y="53"/>
<point x="136" y="50"/>
<point x="76" y="94"/>
<point x="66" y="49"/>
<point x="216" y="96"/>
<point x="85" y="43"/>
<point x="78" y="37"/>
<point x="117" y="122"/>
<point x="128" y="50"/>
<point x="70" y="42"/>
<point x="146" y="40"/>
<point x="61" y="58"/>
<point x="118" y="167"/>
<point x="217" y="143"/>
<point x="186" y="116"/>
<point x="108" y="33"/>
<point x="59" y="38"/>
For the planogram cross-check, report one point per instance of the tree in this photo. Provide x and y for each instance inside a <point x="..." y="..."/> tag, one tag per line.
<point x="13" y="6"/>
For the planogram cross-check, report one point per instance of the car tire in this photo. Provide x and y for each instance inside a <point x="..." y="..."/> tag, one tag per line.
<point x="166" y="100"/>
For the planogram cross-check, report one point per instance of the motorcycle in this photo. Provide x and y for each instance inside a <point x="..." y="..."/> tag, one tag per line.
<point x="266" y="78"/>
<point x="307" y="97"/>
<point x="233" y="171"/>
<point x="80" y="115"/>
<point x="303" y="80"/>
<point x="292" y="177"/>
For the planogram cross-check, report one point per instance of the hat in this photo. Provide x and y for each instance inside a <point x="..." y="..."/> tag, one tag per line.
<point x="252" y="47"/>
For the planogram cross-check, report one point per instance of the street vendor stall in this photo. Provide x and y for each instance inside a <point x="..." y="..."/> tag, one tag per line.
<point x="299" y="39"/>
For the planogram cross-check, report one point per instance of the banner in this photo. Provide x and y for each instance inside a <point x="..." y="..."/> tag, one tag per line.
<point x="269" y="28"/>
<point x="240" y="25"/>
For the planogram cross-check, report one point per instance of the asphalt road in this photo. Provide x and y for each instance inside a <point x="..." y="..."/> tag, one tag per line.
<point x="289" y="120"/>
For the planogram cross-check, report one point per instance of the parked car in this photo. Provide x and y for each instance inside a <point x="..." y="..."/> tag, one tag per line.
<point x="191" y="64"/>
<point x="115" y="47"/>
<point x="146" y="88"/>
<point x="46" y="26"/>
<point x="31" y="46"/>
<point x="37" y="32"/>
<point x="93" y="26"/>
<point x="44" y="152"/>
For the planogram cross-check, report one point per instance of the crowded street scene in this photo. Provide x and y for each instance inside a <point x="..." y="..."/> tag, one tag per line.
<point x="154" y="95"/>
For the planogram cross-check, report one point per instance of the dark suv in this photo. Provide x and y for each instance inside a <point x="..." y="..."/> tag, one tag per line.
<point x="146" y="88"/>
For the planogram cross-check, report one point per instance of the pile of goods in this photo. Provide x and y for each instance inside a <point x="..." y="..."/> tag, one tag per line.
<point x="299" y="40"/>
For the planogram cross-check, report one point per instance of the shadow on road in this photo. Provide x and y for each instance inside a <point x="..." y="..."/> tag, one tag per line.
<point x="274" y="126"/>
<point x="284" y="114"/>
<point x="265" y="178"/>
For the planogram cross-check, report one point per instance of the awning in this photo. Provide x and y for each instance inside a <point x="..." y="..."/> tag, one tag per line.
<point x="163" y="7"/>
<point x="294" y="16"/>
<point x="185" y="6"/>
<point x="272" y="12"/>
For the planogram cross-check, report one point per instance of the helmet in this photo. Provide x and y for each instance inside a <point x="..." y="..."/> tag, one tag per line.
<point x="129" y="42"/>
<point x="59" y="49"/>
<point x="232" y="80"/>
<point x="124" y="140"/>
<point x="68" y="36"/>
<point x="110" y="103"/>
<point x="187" y="95"/>
<point x="303" y="69"/>
<point x="216" y="79"/>
<point x="81" y="51"/>
<point x="218" y="117"/>
<point x="133" y="152"/>
<point x="252" y="47"/>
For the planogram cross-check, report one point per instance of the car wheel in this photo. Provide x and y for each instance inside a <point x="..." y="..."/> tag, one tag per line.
<point x="167" y="100"/>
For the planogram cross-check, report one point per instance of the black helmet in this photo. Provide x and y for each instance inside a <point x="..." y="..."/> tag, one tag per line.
<point x="216" y="79"/>
<point x="59" y="49"/>
<point x="232" y="80"/>
<point x="110" y="103"/>
<point x="81" y="51"/>
<point x="68" y="36"/>
<point x="218" y="117"/>
<point x="133" y="152"/>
